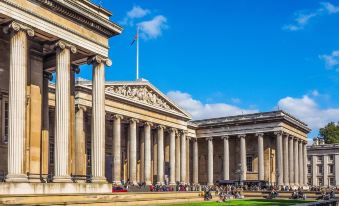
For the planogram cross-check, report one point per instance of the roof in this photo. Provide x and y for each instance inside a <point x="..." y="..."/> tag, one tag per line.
<point x="261" y="116"/>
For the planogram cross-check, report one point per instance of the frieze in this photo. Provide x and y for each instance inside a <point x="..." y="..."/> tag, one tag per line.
<point x="140" y="93"/>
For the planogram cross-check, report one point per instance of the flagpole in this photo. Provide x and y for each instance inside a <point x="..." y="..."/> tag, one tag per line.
<point x="137" y="52"/>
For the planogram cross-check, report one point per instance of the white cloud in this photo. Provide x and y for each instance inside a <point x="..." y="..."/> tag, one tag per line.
<point x="137" y="12"/>
<point x="331" y="60"/>
<point x="330" y="8"/>
<point x="153" y="28"/>
<point x="307" y="110"/>
<point x="198" y="110"/>
<point x="303" y="18"/>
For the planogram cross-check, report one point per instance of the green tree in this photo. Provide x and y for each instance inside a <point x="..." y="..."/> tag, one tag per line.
<point x="330" y="133"/>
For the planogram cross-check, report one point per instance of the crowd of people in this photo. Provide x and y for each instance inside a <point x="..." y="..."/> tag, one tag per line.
<point x="228" y="192"/>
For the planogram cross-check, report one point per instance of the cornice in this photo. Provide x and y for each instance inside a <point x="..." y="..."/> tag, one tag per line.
<point x="82" y="15"/>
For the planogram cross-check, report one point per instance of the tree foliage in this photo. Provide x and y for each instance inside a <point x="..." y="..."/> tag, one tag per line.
<point x="330" y="133"/>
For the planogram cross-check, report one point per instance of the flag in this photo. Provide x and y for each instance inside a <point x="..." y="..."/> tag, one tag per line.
<point x="135" y="38"/>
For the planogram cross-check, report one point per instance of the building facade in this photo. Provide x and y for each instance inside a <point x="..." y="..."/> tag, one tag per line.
<point x="323" y="164"/>
<point x="80" y="136"/>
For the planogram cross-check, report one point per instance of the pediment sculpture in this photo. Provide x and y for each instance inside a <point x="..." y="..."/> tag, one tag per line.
<point x="140" y="93"/>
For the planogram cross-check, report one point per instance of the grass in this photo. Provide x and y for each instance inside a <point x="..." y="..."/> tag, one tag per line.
<point x="252" y="202"/>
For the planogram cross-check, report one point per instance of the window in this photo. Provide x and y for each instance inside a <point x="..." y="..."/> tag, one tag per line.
<point x="331" y="181"/>
<point x="309" y="169"/>
<point x="320" y="181"/>
<point x="320" y="169"/>
<point x="249" y="164"/>
<point x="331" y="157"/>
<point x="320" y="159"/>
<point x="309" y="181"/>
<point x="5" y="119"/>
<point x="331" y="169"/>
<point x="309" y="158"/>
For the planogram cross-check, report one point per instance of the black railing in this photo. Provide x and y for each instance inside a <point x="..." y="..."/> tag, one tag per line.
<point x="85" y="178"/>
<point x="44" y="178"/>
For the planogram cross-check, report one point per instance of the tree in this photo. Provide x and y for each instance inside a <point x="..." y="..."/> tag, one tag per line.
<point x="330" y="133"/>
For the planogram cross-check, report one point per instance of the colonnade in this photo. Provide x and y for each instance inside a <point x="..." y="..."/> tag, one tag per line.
<point x="19" y="55"/>
<point x="290" y="153"/>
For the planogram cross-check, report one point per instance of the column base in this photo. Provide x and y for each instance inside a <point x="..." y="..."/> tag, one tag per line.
<point x="99" y="180"/>
<point x="62" y="179"/>
<point x="172" y="183"/>
<point x="160" y="183"/>
<point x="16" y="178"/>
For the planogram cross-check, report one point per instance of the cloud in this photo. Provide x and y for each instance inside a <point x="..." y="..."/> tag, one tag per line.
<point x="302" y="18"/>
<point x="153" y="28"/>
<point x="137" y="12"/>
<point x="198" y="110"/>
<point x="306" y="109"/>
<point x="331" y="60"/>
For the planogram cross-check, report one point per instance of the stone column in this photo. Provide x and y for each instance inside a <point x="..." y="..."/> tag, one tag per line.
<point x="183" y="157"/>
<point x="210" y="161"/>
<point x="98" y="118"/>
<point x="242" y="138"/>
<point x="290" y="160"/>
<point x="17" y="100"/>
<point x="188" y="159"/>
<point x="305" y="162"/>
<point x="279" y="154"/>
<point x="116" y="149"/>
<point x="80" y="141"/>
<point x="195" y="161"/>
<point x="314" y="170"/>
<point x="261" y="169"/>
<point x="147" y="167"/>
<point x="226" y="162"/>
<point x="62" y="112"/>
<point x="301" y="162"/>
<point x="336" y="169"/>
<point x="177" y="157"/>
<point x="285" y="160"/>
<point x="296" y="162"/>
<point x="45" y="124"/>
<point x="172" y="156"/>
<point x="160" y="155"/>
<point x="133" y="151"/>
<point x="325" y="170"/>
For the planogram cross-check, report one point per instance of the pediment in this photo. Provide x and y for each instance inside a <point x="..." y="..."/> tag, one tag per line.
<point x="143" y="92"/>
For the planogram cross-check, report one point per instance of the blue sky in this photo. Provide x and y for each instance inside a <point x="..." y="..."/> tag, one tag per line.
<point x="218" y="58"/>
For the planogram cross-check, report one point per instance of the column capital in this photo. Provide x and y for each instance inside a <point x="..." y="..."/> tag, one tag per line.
<point x="209" y="138"/>
<point x="259" y="134"/>
<point x="81" y="107"/>
<point x="183" y="132"/>
<point x="290" y="137"/>
<point x="98" y="60"/>
<point x="48" y="75"/>
<point x="15" y="26"/>
<point x="195" y="139"/>
<point x="278" y="133"/>
<point x="172" y="130"/>
<point x="161" y="127"/>
<point x="64" y="45"/>
<point x="241" y="135"/>
<point x="133" y="120"/>
<point x="117" y="116"/>
<point x="225" y="137"/>
<point x="148" y="124"/>
<point x="188" y="138"/>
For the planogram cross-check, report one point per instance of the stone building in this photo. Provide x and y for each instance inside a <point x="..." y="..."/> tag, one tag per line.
<point x="323" y="164"/>
<point x="79" y="136"/>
